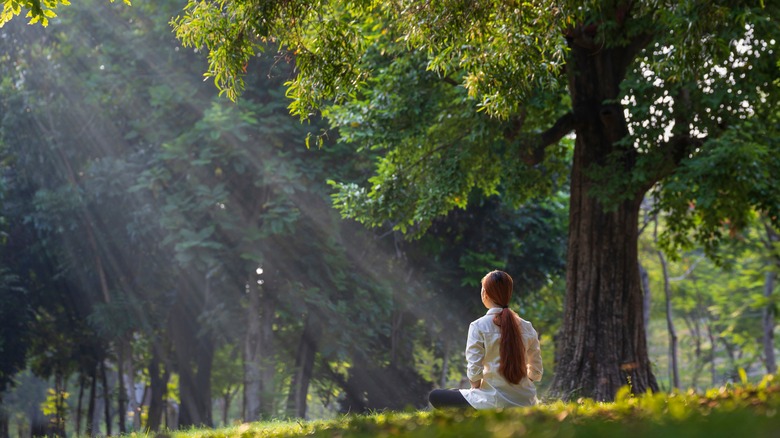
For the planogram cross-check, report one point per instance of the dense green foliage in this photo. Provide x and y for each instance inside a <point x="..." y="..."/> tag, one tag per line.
<point x="673" y="98"/>
<point x="155" y="235"/>
<point x="438" y="64"/>
<point x="38" y="11"/>
<point x="734" y="411"/>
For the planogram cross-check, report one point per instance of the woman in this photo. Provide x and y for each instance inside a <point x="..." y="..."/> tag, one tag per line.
<point x="502" y="352"/>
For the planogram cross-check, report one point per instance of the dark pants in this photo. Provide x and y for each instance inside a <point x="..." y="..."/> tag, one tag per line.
<point x="447" y="398"/>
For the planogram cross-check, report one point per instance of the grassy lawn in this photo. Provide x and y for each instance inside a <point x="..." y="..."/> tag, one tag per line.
<point x="740" y="411"/>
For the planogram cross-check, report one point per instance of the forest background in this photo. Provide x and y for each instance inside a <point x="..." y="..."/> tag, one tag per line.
<point x="172" y="258"/>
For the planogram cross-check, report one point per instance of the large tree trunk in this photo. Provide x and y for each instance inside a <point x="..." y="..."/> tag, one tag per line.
<point x="603" y="338"/>
<point x="304" y="366"/>
<point x="769" y="324"/>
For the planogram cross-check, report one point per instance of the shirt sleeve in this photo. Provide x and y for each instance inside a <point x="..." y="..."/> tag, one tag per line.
<point x="533" y="354"/>
<point x="475" y="354"/>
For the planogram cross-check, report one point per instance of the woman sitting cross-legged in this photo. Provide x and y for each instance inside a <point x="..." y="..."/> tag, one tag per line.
<point x="503" y="355"/>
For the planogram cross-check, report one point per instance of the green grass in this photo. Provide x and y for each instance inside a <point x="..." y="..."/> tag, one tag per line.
<point x="742" y="411"/>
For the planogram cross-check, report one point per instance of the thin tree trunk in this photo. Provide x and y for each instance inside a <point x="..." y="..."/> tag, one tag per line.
<point x="670" y="323"/>
<point x="268" y="352"/>
<point x="127" y="391"/>
<point x="79" y="405"/>
<point x="644" y="278"/>
<point x="693" y="327"/>
<point x="106" y="397"/>
<point x="713" y="371"/>
<point x="90" y="430"/>
<point x="733" y="373"/>
<point x="204" y="363"/>
<point x="122" y="396"/>
<point x="445" y="363"/>
<point x="158" y="384"/>
<point x="251" y="353"/>
<point x="194" y="355"/>
<point x="60" y="387"/>
<point x="304" y="366"/>
<point x="3" y="419"/>
<point x="768" y="321"/>
<point x="225" y="406"/>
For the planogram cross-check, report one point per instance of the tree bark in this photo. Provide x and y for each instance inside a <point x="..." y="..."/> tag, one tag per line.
<point x="603" y="338"/>
<point x="768" y="321"/>
<point x="304" y="366"/>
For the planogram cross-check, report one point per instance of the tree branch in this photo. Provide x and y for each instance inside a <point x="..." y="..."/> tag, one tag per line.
<point x="449" y="80"/>
<point x="632" y="50"/>
<point x="674" y="151"/>
<point x="533" y="152"/>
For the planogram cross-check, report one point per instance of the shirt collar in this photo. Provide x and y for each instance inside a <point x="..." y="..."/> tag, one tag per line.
<point x="494" y="310"/>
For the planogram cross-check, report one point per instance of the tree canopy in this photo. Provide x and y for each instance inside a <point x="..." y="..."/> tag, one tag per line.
<point x="677" y="97"/>
<point x="151" y="231"/>
<point x="466" y="125"/>
<point x="38" y="11"/>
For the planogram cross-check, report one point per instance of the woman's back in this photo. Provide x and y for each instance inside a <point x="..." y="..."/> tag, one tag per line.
<point x="484" y="360"/>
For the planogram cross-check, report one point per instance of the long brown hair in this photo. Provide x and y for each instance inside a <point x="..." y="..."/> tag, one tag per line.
<point x="498" y="287"/>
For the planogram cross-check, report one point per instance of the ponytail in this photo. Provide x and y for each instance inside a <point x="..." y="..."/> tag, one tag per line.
<point x="498" y="287"/>
<point x="511" y="348"/>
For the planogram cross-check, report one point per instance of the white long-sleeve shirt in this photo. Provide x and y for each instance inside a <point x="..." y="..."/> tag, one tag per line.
<point x="483" y="359"/>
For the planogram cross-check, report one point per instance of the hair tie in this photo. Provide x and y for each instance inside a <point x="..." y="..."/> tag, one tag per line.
<point x="504" y="307"/>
